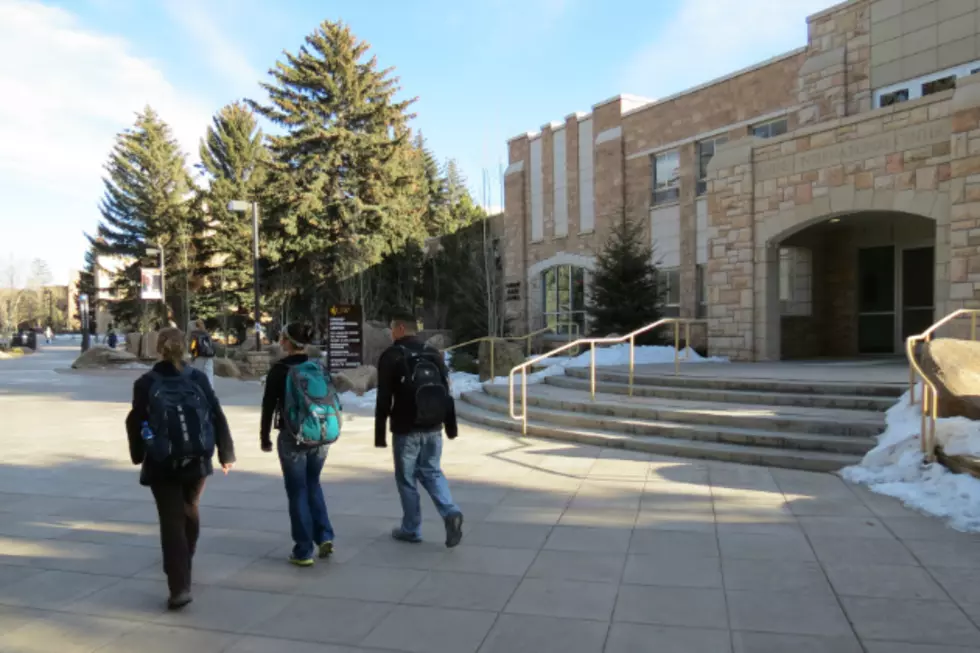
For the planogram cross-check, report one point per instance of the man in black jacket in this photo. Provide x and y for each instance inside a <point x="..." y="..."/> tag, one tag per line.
<point x="413" y="391"/>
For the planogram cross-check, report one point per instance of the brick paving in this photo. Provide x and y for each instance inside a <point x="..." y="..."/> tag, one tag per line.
<point x="568" y="548"/>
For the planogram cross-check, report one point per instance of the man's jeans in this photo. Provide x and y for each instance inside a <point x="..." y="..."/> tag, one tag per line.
<point x="417" y="459"/>
<point x="301" y="467"/>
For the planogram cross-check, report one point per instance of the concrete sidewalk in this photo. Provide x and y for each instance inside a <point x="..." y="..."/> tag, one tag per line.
<point x="567" y="548"/>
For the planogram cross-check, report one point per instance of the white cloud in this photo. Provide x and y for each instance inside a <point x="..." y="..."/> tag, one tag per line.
<point x="707" y="39"/>
<point x="222" y="53"/>
<point x="67" y="91"/>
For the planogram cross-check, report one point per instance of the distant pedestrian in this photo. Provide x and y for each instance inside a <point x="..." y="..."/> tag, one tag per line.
<point x="202" y="349"/>
<point x="413" y="391"/>
<point x="112" y="339"/>
<point x="48" y="335"/>
<point x="301" y="400"/>
<point x="174" y="426"/>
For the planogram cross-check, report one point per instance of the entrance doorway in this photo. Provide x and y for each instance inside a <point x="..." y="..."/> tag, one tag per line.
<point x="889" y="277"/>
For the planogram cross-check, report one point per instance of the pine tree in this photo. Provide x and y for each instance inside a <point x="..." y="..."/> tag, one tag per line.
<point x="86" y="281"/>
<point x="145" y="205"/>
<point x="235" y="159"/>
<point x="455" y="182"/>
<point x="344" y="187"/>
<point x="625" y="291"/>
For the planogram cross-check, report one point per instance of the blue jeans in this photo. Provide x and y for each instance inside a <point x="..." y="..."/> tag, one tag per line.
<point x="301" y="467"/>
<point x="417" y="459"/>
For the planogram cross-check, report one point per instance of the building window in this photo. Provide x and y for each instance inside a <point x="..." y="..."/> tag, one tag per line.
<point x="666" y="177"/>
<point x="564" y="298"/>
<point x="771" y="129"/>
<point x="706" y="150"/>
<point x="937" y="82"/>
<point x="939" y="85"/>
<point x="670" y="289"/>
<point x="785" y="275"/>
<point x="702" y="291"/>
<point x="895" y="97"/>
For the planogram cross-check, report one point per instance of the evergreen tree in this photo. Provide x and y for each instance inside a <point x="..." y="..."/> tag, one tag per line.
<point x="235" y="159"/>
<point x="145" y="205"/>
<point x="455" y="182"/>
<point x="344" y="181"/>
<point x="625" y="290"/>
<point x="86" y="281"/>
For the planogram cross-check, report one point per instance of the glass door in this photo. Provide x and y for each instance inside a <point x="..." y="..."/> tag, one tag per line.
<point x="876" y="300"/>
<point x="918" y="305"/>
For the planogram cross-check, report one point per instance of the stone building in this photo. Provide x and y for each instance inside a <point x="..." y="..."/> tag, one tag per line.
<point x="823" y="203"/>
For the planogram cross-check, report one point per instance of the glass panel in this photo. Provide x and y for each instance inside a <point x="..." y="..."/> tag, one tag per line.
<point x="778" y="128"/>
<point x="894" y="97"/>
<point x="876" y="334"/>
<point x="918" y="270"/>
<point x="550" y="294"/>
<point x="666" y="170"/>
<point x="578" y="289"/>
<point x="876" y="280"/>
<point x="939" y="85"/>
<point x="564" y="288"/>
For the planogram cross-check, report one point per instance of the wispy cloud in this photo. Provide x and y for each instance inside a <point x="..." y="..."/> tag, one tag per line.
<point x="706" y="39"/>
<point x="222" y="53"/>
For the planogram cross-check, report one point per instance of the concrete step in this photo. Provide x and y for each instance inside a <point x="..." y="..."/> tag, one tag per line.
<point x="756" y="417"/>
<point x="682" y="448"/>
<point x="779" y="386"/>
<point x="847" y="402"/>
<point x="679" y="430"/>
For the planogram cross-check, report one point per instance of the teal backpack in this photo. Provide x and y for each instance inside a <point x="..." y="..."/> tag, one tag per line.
<point x="311" y="408"/>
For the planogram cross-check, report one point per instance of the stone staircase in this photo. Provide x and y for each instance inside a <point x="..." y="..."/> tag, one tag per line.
<point x="811" y="425"/>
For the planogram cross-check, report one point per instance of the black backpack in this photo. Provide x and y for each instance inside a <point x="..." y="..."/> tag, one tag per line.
<point x="202" y="347"/>
<point x="180" y="418"/>
<point x="423" y="379"/>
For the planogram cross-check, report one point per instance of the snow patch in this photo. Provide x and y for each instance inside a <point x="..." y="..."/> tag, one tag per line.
<point x="895" y="466"/>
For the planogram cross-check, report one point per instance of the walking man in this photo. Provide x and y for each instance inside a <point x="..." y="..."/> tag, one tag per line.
<point x="413" y="391"/>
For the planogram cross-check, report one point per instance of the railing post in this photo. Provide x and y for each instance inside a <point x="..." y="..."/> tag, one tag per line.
<point x="524" y="400"/>
<point x="592" y="369"/>
<point x="911" y="385"/>
<point x="687" y="340"/>
<point x="922" y="424"/>
<point x="931" y="454"/>
<point x="677" y="346"/>
<point x="632" y="362"/>
<point x="973" y="326"/>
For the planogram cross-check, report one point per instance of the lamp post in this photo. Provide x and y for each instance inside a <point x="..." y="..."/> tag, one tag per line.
<point x="83" y="309"/>
<point x="241" y="206"/>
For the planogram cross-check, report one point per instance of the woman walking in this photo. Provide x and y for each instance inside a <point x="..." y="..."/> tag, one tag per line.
<point x="174" y="427"/>
<point x="301" y="462"/>
<point x="201" y="349"/>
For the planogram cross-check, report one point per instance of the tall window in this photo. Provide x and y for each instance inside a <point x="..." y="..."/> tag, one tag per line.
<point x="670" y="290"/>
<point x="706" y="150"/>
<point x="564" y="297"/>
<point x="702" y="291"/>
<point x="770" y="129"/>
<point x="666" y="177"/>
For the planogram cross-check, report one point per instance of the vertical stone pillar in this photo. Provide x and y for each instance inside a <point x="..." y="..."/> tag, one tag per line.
<point x="731" y="256"/>
<point x="958" y="285"/>
<point x="768" y="331"/>
<point x="688" y="230"/>
<point x="516" y="231"/>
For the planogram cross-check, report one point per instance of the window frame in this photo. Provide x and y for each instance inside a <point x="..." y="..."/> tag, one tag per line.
<point x="715" y="141"/>
<point x="561" y="316"/>
<point x="670" y="191"/>
<point x="666" y="286"/>
<point x="702" y="289"/>
<point x="784" y="120"/>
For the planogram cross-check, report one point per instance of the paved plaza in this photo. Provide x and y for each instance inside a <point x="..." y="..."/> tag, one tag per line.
<point x="567" y="548"/>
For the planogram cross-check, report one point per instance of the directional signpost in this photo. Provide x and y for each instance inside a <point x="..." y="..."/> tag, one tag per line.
<point x="345" y="337"/>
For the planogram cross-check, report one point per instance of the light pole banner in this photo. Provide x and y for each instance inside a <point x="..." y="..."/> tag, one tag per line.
<point x="151" y="283"/>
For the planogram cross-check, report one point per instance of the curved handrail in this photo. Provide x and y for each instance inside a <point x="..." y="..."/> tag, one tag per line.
<point x="493" y="339"/>
<point x="592" y="342"/>
<point x="930" y="393"/>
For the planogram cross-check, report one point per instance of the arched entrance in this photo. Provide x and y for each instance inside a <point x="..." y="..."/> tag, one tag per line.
<point x="852" y="284"/>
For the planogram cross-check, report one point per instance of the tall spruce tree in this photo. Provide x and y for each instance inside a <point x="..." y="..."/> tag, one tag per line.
<point x="145" y="205"/>
<point x="625" y="290"/>
<point x="344" y="186"/>
<point x="235" y="159"/>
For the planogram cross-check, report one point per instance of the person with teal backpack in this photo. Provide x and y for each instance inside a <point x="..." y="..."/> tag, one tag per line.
<point x="301" y="398"/>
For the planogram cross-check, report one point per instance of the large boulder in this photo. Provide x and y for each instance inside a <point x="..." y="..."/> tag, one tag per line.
<point x="227" y="368"/>
<point x="358" y="380"/>
<point x="440" y="341"/>
<point x="377" y="338"/>
<point x="133" y="342"/>
<point x="100" y="357"/>
<point x="506" y="355"/>
<point x="954" y="367"/>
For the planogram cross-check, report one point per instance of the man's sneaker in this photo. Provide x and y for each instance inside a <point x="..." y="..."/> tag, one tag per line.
<point x="454" y="529"/>
<point x="325" y="549"/>
<point x="400" y="535"/>
<point x="301" y="562"/>
<point x="179" y="600"/>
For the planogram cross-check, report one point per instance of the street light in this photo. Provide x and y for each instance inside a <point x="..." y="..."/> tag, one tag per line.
<point x="241" y="206"/>
<point x="83" y="309"/>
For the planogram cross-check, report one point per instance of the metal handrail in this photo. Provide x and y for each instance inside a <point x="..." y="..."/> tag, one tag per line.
<point x="592" y="342"/>
<point x="930" y="393"/>
<point x="493" y="339"/>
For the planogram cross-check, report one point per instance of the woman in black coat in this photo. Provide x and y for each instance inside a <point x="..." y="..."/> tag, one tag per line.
<point x="176" y="488"/>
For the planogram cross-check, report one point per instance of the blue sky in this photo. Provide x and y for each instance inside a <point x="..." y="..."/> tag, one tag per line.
<point x="484" y="70"/>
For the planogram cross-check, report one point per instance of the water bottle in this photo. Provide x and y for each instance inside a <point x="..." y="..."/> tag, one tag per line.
<point x="147" y="433"/>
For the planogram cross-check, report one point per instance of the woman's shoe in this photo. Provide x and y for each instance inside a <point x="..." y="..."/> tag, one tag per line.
<point x="179" y="600"/>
